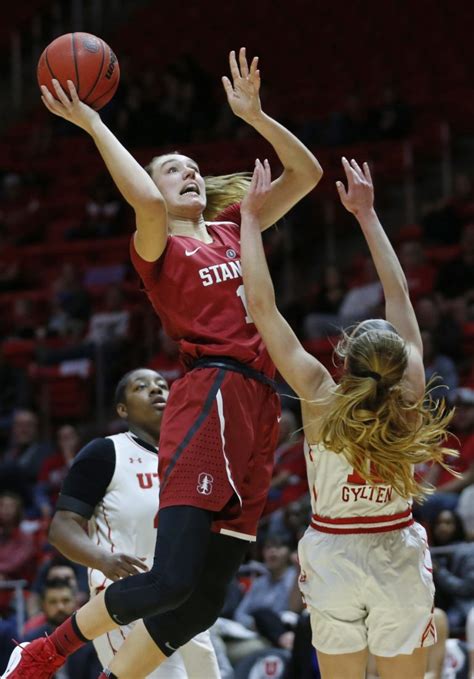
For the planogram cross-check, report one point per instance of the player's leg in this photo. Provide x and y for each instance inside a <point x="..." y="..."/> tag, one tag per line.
<point x="183" y="534"/>
<point x="344" y="665"/>
<point x="138" y="656"/>
<point x="403" y="666"/>
<point x="437" y="652"/>
<point x="172" y="630"/>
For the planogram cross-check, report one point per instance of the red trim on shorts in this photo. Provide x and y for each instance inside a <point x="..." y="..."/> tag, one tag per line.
<point x="354" y="531"/>
<point x="362" y="519"/>
<point x="429" y="629"/>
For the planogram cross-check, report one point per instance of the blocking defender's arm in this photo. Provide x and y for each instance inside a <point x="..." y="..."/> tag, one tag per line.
<point x="301" y="170"/>
<point x="84" y="487"/>
<point x="359" y="199"/>
<point x="303" y="372"/>
<point x="131" y="179"/>
<point x="68" y="534"/>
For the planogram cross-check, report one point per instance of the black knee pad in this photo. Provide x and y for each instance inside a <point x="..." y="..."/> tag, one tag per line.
<point x="147" y="594"/>
<point x="174" y="629"/>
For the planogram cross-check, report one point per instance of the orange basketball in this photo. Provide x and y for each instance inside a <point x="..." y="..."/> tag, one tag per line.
<point x="86" y="60"/>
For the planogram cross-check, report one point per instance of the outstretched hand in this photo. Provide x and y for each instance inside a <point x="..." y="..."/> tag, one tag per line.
<point x="259" y="189"/>
<point x="70" y="107"/>
<point x="243" y="92"/>
<point x="359" y="195"/>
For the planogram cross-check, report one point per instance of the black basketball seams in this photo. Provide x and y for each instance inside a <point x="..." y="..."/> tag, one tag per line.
<point x="48" y="65"/>
<point x="114" y="85"/>
<point x="98" y="75"/>
<point x="78" y="84"/>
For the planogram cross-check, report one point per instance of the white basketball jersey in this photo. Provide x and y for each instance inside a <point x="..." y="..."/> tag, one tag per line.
<point x="133" y="491"/>
<point x="343" y="502"/>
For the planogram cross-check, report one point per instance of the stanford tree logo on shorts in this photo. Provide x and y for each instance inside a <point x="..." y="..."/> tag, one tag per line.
<point x="205" y="482"/>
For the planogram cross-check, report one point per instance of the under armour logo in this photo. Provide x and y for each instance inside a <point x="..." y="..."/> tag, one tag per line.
<point x="135" y="459"/>
<point x="204" y="486"/>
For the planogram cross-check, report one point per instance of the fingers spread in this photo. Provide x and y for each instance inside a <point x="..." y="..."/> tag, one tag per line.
<point x="357" y="169"/>
<point x="234" y="69"/>
<point x="227" y="85"/>
<point x="341" y="189"/>
<point x="253" y="66"/>
<point x="367" y="174"/>
<point x="244" y="69"/>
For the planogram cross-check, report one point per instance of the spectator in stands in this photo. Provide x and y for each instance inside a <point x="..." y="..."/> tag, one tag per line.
<point x="448" y="487"/>
<point x="349" y="125"/>
<point x="55" y="467"/>
<point x="14" y="393"/>
<point x="12" y="276"/>
<point x="102" y="213"/>
<point x="443" y="221"/>
<point x="289" y="480"/>
<point x="57" y="566"/>
<point x="17" y="547"/>
<point x="360" y="300"/>
<point x="392" y="119"/>
<point x="327" y="304"/>
<point x="111" y="325"/>
<point x="166" y="360"/>
<point x="446" y="331"/>
<point x="58" y="603"/>
<point x="290" y="521"/>
<point x="453" y="570"/>
<point x="456" y="278"/>
<point x="420" y="274"/>
<point x="25" y="450"/>
<point x="268" y="597"/>
<point x="438" y="366"/>
<point x="19" y="210"/>
<point x="71" y="295"/>
<point x="24" y="320"/>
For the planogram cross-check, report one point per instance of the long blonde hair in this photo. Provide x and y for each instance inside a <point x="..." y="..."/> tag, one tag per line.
<point x="221" y="190"/>
<point x="372" y="421"/>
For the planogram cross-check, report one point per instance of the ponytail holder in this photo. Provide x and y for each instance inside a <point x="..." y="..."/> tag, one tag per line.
<point x="370" y="373"/>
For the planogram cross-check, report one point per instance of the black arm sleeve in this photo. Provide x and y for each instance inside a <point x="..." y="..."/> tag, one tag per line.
<point x="86" y="482"/>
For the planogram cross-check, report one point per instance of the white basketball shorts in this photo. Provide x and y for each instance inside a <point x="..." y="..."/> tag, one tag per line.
<point x="368" y="590"/>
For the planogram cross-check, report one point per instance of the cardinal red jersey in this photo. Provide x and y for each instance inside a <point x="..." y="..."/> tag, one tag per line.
<point x="197" y="290"/>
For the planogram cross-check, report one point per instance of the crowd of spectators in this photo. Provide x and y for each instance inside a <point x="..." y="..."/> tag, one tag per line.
<point x="90" y="309"/>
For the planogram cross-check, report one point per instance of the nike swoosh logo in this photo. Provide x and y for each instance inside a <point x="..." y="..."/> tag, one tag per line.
<point x="167" y="643"/>
<point x="188" y="253"/>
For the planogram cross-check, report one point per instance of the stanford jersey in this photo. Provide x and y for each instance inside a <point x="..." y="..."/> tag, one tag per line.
<point x="197" y="290"/>
<point x="343" y="502"/>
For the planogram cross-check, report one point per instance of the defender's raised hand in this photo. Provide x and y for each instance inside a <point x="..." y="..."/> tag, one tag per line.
<point x="243" y="91"/>
<point x="259" y="189"/>
<point x="70" y="107"/>
<point x="359" y="195"/>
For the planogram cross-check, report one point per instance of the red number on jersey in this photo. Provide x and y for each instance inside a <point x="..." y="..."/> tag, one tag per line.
<point x="356" y="478"/>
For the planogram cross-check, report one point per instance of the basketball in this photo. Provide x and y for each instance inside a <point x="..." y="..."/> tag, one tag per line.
<point x="86" y="60"/>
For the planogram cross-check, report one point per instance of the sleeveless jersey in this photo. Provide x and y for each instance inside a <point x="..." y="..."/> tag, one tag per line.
<point x="197" y="290"/>
<point x="133" y="490"/>
<point x="342" y="502"/>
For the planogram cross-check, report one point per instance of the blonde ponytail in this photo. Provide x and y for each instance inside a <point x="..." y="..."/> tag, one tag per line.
<point x="373" y="423"/>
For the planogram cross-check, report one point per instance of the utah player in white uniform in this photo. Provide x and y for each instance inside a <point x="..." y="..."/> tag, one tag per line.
<point x="111" y="491"/>
<point x="366" y="572"/>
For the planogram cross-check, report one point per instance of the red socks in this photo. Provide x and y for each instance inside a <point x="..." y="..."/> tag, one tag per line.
<point x="67" y="638"/>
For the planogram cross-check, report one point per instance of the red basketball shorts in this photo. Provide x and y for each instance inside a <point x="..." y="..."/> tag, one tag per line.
<point x="217" y="443"/>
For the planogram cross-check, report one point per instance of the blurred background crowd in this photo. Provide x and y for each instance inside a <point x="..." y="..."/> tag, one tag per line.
<point x="390" y="84"/>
